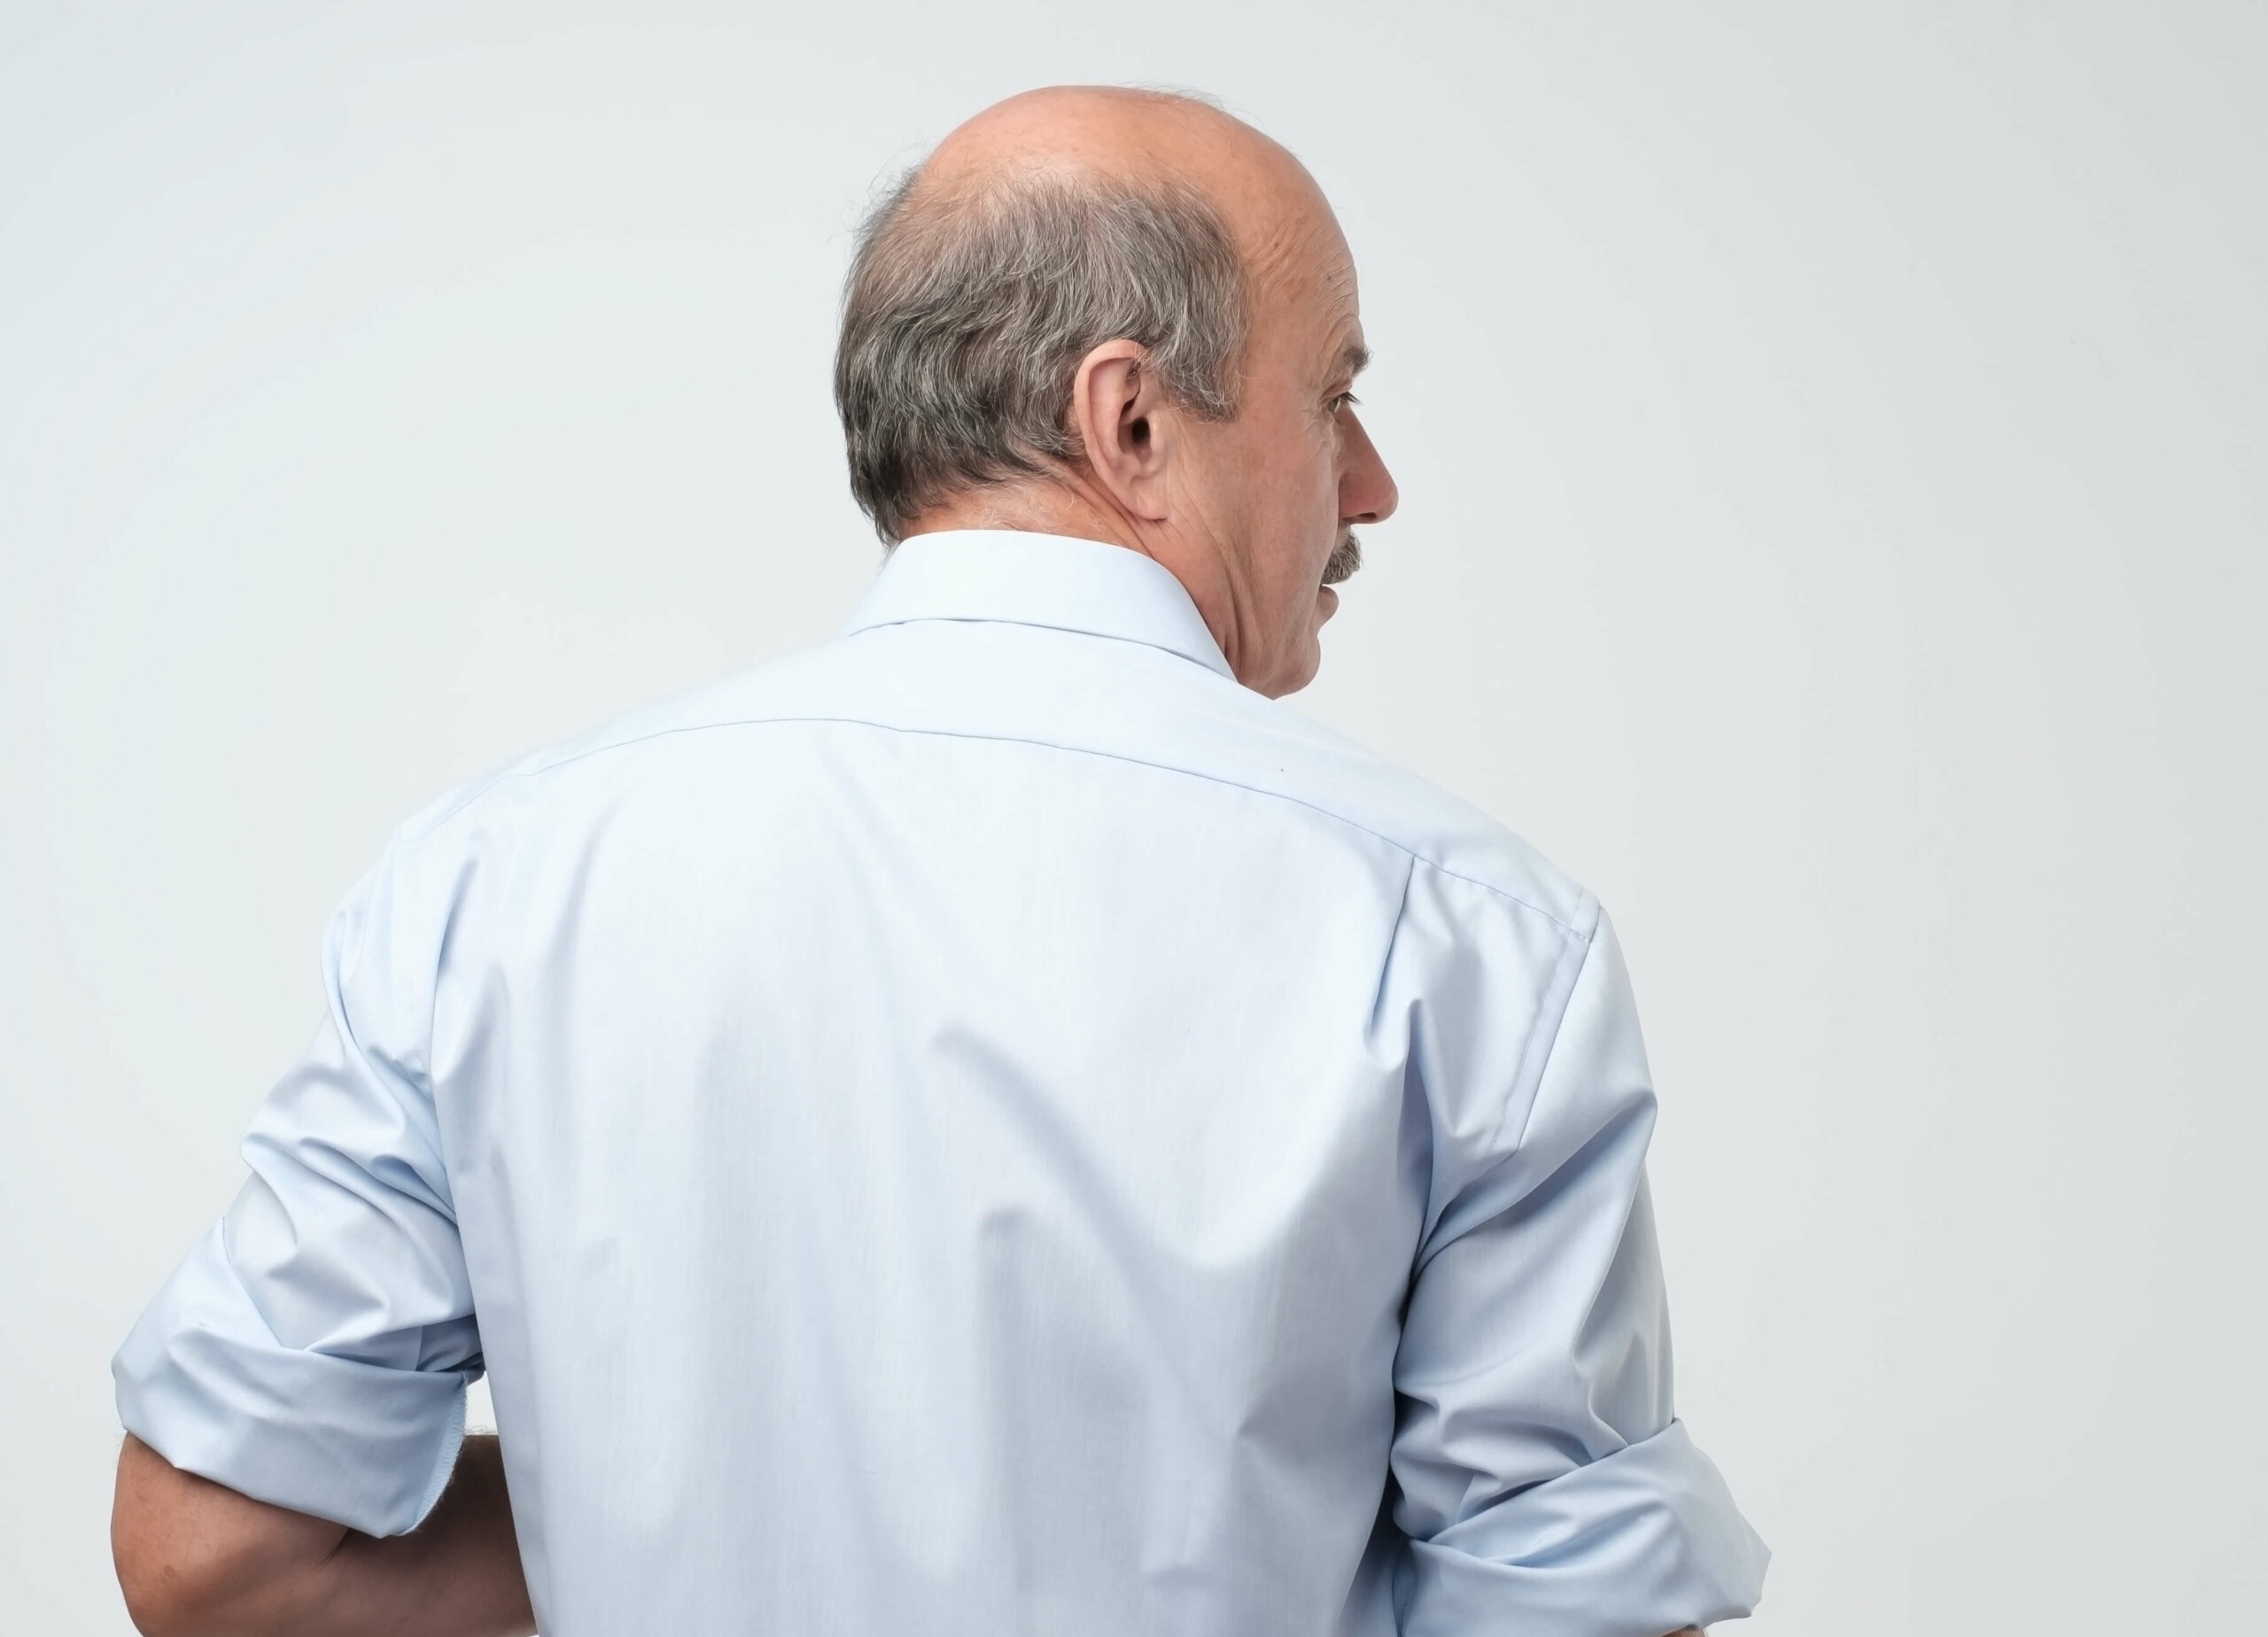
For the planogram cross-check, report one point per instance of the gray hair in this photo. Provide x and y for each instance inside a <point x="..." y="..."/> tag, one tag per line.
<point x="966" y="314"/>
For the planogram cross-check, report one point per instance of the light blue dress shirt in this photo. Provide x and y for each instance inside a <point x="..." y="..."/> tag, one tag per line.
<point x="987" y="1127"/>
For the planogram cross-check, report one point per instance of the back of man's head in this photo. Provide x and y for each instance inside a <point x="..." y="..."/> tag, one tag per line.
<point x="974" y="295"/>
<point x="1121" y="316"/>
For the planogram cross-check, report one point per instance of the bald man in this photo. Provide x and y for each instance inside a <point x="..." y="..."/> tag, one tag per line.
<point x="992" y="1125"/>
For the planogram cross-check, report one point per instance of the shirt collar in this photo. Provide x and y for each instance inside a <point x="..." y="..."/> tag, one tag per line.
<point x="1038" y="579"/>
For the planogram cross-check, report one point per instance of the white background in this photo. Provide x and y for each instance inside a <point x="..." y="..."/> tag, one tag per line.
<point x="1834" y="445"/>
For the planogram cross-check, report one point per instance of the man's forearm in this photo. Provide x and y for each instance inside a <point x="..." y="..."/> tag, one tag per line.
<point x="197" y="1559"/>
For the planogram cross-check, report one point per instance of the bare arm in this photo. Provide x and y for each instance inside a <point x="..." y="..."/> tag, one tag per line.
<point x="197" y="1559"/>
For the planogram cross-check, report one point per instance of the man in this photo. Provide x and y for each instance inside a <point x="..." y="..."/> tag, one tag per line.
<point x="992" y="1125"/>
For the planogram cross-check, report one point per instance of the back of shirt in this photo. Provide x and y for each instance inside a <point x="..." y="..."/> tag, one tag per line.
<point x="988" y="1127"/>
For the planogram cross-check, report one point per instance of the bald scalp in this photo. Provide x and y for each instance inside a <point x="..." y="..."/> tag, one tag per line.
<point x="1044" y="228"/>
<point x="1113" y="131"/>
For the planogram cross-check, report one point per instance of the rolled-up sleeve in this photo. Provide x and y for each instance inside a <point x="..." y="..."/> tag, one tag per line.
<point x="314" y="1349"/>
<point x="1541" y="1477"/>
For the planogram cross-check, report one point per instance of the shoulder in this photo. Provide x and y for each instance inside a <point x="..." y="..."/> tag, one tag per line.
<point x="1187" y="718"/>
<point x="1444" y="836"/>
<point x="544" y="776"/>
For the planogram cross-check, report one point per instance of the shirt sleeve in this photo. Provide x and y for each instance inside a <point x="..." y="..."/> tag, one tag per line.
<point x="314" y="1349"/>
<point x="1540" y="1475"/>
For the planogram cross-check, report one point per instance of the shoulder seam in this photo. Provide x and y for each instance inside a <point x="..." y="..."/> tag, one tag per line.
<point x="1525" y="1089"/>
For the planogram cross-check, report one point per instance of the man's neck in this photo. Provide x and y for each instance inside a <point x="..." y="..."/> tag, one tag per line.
<point x="1050" y="509"/>
<point x="1069" y="507"/>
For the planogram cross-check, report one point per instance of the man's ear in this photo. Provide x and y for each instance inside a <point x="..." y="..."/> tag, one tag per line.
<point x="1126" y="426"/>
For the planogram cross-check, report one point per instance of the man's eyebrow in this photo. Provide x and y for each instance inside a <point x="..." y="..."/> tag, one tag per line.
<point x="1354" y="358"/>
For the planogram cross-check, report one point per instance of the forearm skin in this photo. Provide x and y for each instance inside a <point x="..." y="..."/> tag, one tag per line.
<point x="197" y="1559"/>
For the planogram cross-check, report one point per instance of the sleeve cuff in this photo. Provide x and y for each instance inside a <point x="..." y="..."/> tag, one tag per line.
<point x="1637" y="1543"/>
<point x="205" y="1383"/>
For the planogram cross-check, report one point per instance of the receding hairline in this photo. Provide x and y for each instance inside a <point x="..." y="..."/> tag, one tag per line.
<point x="915" y="213"/>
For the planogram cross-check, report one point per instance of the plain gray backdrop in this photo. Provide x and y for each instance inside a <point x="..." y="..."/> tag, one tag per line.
<point x="1834" y="450"/>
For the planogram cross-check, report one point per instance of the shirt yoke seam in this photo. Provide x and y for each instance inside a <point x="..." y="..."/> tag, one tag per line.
<point x="942" y="733"/>
<point x="856" y="630"/>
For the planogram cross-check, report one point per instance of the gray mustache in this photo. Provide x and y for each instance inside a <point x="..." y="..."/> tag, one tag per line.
<point x="1345" y="558"/>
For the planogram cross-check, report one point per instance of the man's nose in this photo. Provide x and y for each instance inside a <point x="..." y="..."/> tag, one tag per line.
<point x="1366" y="489"/>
